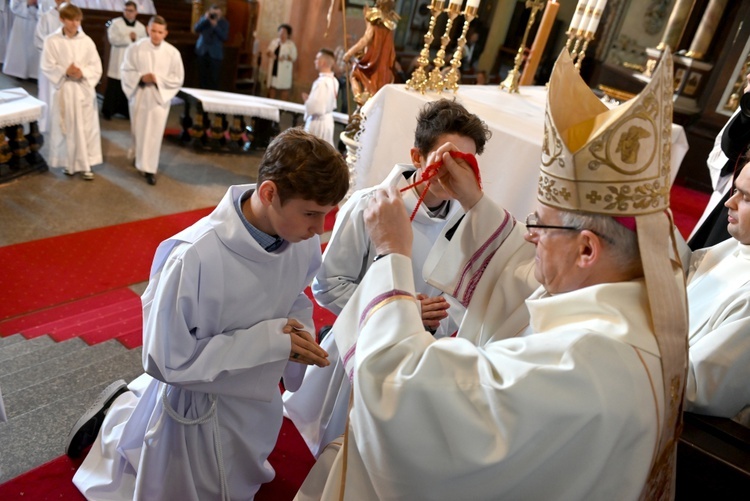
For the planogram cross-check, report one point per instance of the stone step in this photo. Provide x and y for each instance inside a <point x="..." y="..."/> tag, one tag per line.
<point x="61" y="386"/>
<point x="39" y="436"/>
<point x="40" y="356"/>
<point x="23" y="347"/>
<point x="58" y="366"/>
<point x="9" y="340"/>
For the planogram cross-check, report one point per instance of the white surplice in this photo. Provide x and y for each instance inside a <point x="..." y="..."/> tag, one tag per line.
<point x="213" y="313"/>
<point x="149" y="103"/>
<point x="21" y="58"/>
<point x="320" y="105"/>
<point x="718" y="290"/>
<point x="49" y="22"/>
<point x="318" y="409"/>
<point x="118" y="34"/>
<point x="567" y="409"/>
<point x="6" y="23"/>
<point x="74" y="138"/>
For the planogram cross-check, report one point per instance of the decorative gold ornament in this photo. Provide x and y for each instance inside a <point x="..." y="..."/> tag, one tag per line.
<point x="510" y="83"/>
<point x="739" y="85"/>
<point x="436" y="81"/>
<point x="418" y="80"/>
<point x="454" y="75"/>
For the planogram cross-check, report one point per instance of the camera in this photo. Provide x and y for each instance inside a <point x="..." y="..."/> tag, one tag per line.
<point x="212" y="16"/>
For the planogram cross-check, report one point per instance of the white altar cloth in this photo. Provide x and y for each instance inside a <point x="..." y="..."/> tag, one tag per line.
<point x="510" y="162"/>
<point x="18" y="107"/>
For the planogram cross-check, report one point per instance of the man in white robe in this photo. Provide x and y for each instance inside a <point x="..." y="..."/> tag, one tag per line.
<point x="719" y="301"/>
<point x="122" y="32"/>
<point x="6" y="23"/>
<point x="224" y="314"/>
<point x="49" y="22"/>
<point x="21" y="58"/>
<point x="566" y="403"/>
<point x="152" y="74"/>
<point x="72" y="65"/>
<point x="321" y="101"/>
<point x="319" y="408"/>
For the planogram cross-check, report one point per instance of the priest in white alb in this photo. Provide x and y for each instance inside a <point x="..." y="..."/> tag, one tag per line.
<point x="152" y="73"/>
<point x="321" y="101"/>
<point x="577" y="392"/>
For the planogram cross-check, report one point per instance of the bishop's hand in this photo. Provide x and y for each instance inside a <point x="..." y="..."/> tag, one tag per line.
<point x="387" y="222"/>
<point x="457" y="178"/>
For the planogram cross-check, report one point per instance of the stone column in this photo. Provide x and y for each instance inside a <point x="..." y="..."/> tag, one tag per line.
<point x="676" y="24"/>
<point x="707" y="29"/>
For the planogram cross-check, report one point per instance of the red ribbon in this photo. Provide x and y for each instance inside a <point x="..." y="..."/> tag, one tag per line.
<point x="431" y="170"/>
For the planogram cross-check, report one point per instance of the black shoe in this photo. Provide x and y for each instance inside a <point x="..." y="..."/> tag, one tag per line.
<point x="150" y="178"/>
<point x="84" y="432"/>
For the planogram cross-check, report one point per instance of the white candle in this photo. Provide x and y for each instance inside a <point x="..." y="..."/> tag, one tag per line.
<point x="596" y="16"/>
<point x="457" y="2"/>
<point x="586" y="17"/>
<point x="575" y="23"/>
<point x="473" y="3"/>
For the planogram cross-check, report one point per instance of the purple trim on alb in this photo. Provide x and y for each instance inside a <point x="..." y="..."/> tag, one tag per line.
<point x="481" y="250"/>
<point x="379" y="299"/>
<point x="349" y="354"/>
<point x="475" y="279"/>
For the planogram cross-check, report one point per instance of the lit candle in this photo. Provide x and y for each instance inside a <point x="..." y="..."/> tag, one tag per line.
<point x="596" y="16"/>
<point x="575" y="23"/>
<point x="540" y="42"/>
<point x="473" y="3"/>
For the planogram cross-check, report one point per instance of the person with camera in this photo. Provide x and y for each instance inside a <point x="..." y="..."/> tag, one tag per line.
<point x="213" y="31"/>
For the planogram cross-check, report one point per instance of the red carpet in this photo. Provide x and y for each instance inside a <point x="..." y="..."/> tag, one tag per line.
<point x="52" y="271"/>
<point x="687" y="207"/>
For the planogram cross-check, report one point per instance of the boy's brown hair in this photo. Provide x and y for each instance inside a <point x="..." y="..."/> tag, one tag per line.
<point x="446" y="116"/>
<point x="306" y="167"/>
<point x="70" y="12"/>
<point x="158" y="20"/>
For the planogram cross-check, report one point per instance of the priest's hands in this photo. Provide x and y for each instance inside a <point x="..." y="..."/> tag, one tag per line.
<point x="74" y="72"/>
<point x="387" y="222"/>
<point x="304" y="348"/>
<point x="457" y="178"/>
<point x="434" y="309"/>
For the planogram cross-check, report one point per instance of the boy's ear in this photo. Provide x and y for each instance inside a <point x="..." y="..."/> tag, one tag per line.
<point x="416" y="157"/>
<point x="267" y="191"/>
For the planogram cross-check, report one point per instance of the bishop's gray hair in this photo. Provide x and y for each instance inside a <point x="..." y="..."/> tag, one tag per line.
<point x="623" y="242"/>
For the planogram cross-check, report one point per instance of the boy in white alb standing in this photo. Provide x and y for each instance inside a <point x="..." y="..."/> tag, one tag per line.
<point x="321" y="101"/>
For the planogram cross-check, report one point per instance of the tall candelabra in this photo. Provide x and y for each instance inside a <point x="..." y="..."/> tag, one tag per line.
<point x="454" y="75"/>
<point x="419" y="80"/>
<point x="510" y="83"/>
<point x="436" y="81"/>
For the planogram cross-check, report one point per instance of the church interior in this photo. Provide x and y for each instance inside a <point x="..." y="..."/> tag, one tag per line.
<point x="46" y="387"/>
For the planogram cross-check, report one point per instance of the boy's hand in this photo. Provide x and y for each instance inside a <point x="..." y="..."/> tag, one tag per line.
<point x="304" y="348"/>
<point x="387" y="222"/>
<point x="434" y="309"/>
<point x="457" y="178"/>
<point x="148" y="78"/>
<point x="74" y="72"/>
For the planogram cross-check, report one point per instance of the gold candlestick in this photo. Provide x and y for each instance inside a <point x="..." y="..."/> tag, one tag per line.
<point x="436" y="81"/>
<point x="454" y="75"/>
<point x="588" y="38"/>
<point x="418" y="80"/>
<point x="511" y="81"/>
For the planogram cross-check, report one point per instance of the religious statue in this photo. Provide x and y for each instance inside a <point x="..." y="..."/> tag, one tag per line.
<point x="374" y="68"/>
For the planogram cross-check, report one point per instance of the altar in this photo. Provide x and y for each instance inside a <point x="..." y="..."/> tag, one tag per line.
<point x="510" y="162"/>
<point x="19" y="152"/>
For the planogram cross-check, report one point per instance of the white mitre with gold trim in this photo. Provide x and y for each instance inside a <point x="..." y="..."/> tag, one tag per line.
<point x="616" y="163"/>
<point x="606" y="161"/>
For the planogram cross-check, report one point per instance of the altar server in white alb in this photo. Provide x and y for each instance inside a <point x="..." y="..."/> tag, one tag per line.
<point x="122" y="32"/>
<point x="582" y="400"/>
<point x="321" y="101"/>
<point x="320" y="406"/>
<point x="21" y="57"/>
<point x="6" y="23"/>
<point x="152" y="74"/>
<point x="225" y="317"/>
<point x="719" y="301"/>
<point x="72" y="65"/>
<point x="49" y="22"/>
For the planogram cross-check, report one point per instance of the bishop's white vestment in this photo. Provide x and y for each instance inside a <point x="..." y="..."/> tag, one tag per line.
<point x="320" y="105"/>
<point x="74" y="138"/>
<point x="49" y="22"/>
<point x="21" y="58"/>
<point x="149" y="103"/>
<point x="719" y="338"/>
<point x="318" y="409"/>
<point x="566" y="408"/>
<point x="214" y="353"/>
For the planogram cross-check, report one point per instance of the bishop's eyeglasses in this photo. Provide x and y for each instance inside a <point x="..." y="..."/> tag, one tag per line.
<point x="532" y="223"/>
